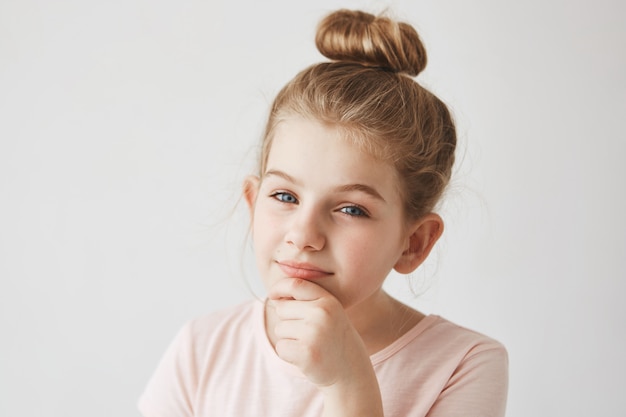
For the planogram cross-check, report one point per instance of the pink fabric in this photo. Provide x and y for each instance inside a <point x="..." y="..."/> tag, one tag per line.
<point x="223" y="365"/>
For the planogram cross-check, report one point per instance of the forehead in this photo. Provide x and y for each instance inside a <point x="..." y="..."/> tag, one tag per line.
<point x="323" y="154"/>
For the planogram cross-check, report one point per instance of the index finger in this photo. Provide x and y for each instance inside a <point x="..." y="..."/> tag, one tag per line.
<point x="296" y="289"/>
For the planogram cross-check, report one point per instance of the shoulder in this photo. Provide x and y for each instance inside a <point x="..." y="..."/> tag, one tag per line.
<point x="215" y="319"/>
<point x="478" y="364"/>
<point x="222" y="324"/>
<point x="447" y="351"/>
<point x="460" y="338"/>
<point x="203" y="348"/>
<point x="465" y="348"/>
<point x="213" y="332"/>
<point x="467" y="371"/>
<point x="451" y="369"/>
<point x="440" y="347"/>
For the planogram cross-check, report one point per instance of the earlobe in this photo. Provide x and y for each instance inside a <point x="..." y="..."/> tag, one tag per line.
<point x="250" y="191"/>
<point x="426" y="231"/>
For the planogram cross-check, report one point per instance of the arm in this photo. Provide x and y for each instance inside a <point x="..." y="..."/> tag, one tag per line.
<point x="360" y="397"/>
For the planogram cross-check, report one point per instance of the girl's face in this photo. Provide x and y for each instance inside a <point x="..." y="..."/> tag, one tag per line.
<point x="326" y="212"/>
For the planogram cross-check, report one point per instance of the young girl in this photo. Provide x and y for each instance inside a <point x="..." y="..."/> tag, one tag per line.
<point x="355" y="156"/>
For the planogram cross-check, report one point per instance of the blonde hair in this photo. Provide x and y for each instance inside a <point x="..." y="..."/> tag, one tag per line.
<point x="367" y="92"/>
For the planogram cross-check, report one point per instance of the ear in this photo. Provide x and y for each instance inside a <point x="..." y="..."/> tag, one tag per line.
<point x="250" y="192"/>
<point x="425" y="233"/>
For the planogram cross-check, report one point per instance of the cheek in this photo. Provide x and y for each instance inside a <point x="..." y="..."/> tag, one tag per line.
<point x="372" y="255"/>
<point x="362" y="256"/>
<point x="265" y="228"/>
<point x="259" y="235"/>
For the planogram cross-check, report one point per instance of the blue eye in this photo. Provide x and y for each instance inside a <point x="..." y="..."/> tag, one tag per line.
<point x="284" y="197"/>
<point x="354" y="211"/>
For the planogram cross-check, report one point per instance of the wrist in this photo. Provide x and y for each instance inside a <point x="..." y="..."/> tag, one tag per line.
<point x="359" y="396"/>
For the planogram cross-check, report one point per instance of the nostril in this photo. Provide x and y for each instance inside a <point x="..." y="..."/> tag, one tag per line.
<point x="305" y="231"/>
<point x="305" y="241"/>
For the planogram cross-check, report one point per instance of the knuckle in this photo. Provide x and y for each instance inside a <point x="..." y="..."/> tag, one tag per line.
<point x="279" y="308"/>
<point x="279" y="330"/>
<point x="296" y="283"/>
<point x="324" y="310"/>
<point x="319" y="316"/>
<point x="312" y="353"/>
<point x="281" y="350"/>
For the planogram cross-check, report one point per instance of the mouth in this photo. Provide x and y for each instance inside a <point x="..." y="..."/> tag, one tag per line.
<point x="302" y="270"/>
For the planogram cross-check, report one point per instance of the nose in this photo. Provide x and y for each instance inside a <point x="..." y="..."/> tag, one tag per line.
<point x="306" y="230"/>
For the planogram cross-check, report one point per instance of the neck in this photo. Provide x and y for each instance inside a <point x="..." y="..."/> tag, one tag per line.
<point x="381" y="320"/>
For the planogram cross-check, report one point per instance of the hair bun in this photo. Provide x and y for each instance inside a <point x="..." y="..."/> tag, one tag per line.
<point x="356" y="36"/>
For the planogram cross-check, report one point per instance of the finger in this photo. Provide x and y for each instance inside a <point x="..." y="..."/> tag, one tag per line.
<point x="290" y="351"/>
<point x="296" y="289"/>
<point x="291" y="309"/>
<point x="290" y="329"/>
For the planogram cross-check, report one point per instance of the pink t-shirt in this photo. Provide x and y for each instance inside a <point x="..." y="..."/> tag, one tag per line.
<point x="223" y="365"/>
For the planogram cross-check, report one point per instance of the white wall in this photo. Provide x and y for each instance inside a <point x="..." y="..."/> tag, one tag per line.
<point x="126" y="127"/>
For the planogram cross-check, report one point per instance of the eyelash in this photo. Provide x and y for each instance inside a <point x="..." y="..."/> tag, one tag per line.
<point x="280" y="195"/>
<point x="362" y="212"/>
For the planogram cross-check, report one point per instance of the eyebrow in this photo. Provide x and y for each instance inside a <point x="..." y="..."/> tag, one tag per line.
<point x="282" y="175"/>
<point x="342" y="188"/>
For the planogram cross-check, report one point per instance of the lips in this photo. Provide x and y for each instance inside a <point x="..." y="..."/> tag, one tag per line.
<point x="302" y="270"/>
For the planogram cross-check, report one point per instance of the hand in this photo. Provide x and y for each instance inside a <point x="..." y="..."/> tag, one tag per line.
<point x="313" y="332"/>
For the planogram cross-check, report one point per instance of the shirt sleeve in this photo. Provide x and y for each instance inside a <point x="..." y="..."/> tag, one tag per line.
<point x="172" y="387"/>
<point x="478" y="387"/>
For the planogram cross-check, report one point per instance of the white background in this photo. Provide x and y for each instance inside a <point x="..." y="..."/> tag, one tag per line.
<point x="126" y="127"/>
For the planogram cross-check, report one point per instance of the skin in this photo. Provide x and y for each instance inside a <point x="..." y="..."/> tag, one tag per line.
<point x="328" y="226"/>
